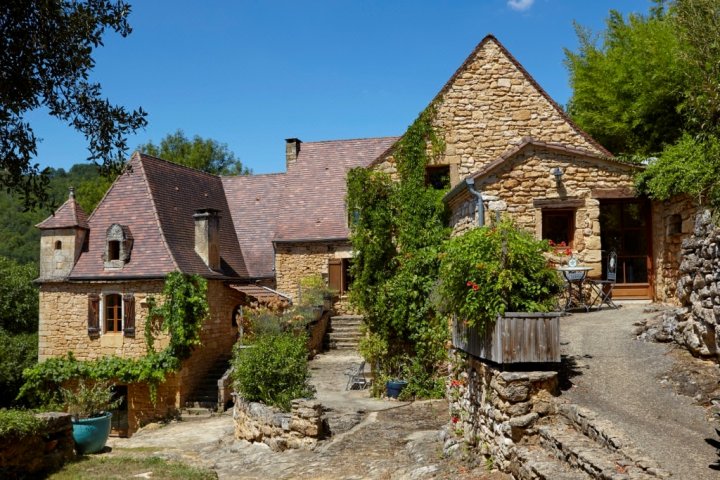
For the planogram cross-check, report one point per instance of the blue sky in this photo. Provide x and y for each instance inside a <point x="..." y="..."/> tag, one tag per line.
<point x="251" y="74"/>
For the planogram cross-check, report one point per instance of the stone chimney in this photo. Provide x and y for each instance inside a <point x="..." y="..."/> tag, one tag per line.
<point x="207" y="236"/>
<point x="292" y="149"/>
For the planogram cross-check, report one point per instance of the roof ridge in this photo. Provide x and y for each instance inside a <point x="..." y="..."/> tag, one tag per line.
<point x="144" y="156"/>
<point x="353" y="139"/>
<point x="158" y="224"/>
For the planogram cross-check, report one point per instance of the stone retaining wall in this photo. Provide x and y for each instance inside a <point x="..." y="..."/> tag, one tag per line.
<point x="694" y="325"/>
<point x="45" y="451"/>
<point x="302" y="427"/>
<point x="496" y="410"/>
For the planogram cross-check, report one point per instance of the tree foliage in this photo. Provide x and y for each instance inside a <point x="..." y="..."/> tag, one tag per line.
<point x="46" y="56"/>
<point x="397" y="236"/>
<point x="202" y="154"/>
<point x="18" y="296"/>
<point x="627" y="89"/>
<point x="653" y="89"/>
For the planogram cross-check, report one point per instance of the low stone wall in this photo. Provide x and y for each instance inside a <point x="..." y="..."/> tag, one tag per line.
<point x="45" y="451"/>
<point x="695" y="324"/>
<point x="316" y="333"/>
<point x="301" y="428"/>
<point x="496" y="410"/>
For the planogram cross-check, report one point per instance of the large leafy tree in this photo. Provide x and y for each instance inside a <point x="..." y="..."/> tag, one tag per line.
<point x="627" y="83"/>
<point x="202" y="154"/>
<point x="651" y="88"/>
<point x="46" y="57"/>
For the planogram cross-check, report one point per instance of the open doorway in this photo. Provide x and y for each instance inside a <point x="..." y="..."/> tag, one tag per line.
<point x="625" y="227"/>
<point x="119" y="421"/>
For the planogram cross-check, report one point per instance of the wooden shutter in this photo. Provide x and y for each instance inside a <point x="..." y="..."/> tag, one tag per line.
<point x="335" y="274"/>
<point x="93" y="314"/>
<point x="129" y="314"/>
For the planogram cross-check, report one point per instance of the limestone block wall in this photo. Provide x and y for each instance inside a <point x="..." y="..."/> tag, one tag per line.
<point x="63" y="320"/>
<point x="302" y="427"/>
<point x="142" y="410"/>
<point x="673" y="222"/>
<point x="295" y="261"/>
<point x="524" y="186"/>
<point x="498" y="410"/>
<point x="58" y="262"/>
<point x="488" y="108"/>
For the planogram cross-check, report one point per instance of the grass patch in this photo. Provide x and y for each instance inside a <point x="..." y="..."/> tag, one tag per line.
<point x="121" y="467"/>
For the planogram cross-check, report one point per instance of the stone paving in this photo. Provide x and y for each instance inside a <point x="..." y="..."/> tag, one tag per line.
<point x="373" y="439"/>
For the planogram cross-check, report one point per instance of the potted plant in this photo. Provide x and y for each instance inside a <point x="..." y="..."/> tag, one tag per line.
<point x="90" y="407"/>
<point x="497" y="285"/>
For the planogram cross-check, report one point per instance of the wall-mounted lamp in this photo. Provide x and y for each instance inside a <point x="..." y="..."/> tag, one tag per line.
<point x="558" y="173"/>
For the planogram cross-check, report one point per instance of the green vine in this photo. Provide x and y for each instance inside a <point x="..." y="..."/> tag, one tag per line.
<point x="397" y="237"/>
<point x="180" y="315"/>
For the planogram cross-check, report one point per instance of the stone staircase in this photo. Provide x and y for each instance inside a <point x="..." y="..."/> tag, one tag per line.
<point x="344" y="332"/>
<point x="575" y="445"/>
<point x="203" y="402"/>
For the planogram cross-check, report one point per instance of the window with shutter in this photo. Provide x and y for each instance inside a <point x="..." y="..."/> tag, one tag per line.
<point x="93" y="314"/>
<point x="113" y="313"/>
<point x="129" y="311"/>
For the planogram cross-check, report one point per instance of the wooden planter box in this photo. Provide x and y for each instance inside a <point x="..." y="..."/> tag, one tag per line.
<point x="516" y="337"/>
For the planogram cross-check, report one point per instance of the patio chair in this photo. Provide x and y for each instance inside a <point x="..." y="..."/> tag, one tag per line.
<point x="356" y="377"/>
<point x="603" y="289"/>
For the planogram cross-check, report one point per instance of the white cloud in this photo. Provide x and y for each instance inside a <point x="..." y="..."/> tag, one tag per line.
<point x="520" y="5"/>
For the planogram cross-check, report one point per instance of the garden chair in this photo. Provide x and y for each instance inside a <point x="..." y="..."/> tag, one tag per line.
<point x="356" y="377"/>
<point x="603" y="289"/>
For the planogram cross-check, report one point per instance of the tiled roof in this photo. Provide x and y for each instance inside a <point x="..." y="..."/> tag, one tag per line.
<point x="70" y="214"/>
<point x="314" y="201"/>
<point x="156" y="200"/>
<point x="256" y="201"/>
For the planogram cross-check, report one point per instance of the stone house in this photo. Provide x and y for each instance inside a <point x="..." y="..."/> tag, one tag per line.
<point x="254" y="236"/>
<point x="505" y="135"/>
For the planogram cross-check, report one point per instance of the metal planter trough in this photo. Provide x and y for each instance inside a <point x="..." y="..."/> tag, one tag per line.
<point x="516" y="337"/>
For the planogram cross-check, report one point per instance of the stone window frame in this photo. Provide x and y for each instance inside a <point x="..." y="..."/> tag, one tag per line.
<point x="121" y="250"/>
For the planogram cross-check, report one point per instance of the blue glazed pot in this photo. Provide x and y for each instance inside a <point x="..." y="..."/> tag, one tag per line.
<point x="394" y="387"/>
<point x="90" y="434"/>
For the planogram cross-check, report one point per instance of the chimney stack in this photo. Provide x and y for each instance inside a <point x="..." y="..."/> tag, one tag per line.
<point x="207" y="236"/>
<point x="292" y="149"/>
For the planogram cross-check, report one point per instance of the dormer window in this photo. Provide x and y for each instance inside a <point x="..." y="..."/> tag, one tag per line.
<point x="118" y="245"/>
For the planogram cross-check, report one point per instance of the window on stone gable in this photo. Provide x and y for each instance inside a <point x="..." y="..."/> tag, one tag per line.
<point x="58" y="245"/>
<point x="437" y="176"/>
<point x="118" y="314"/>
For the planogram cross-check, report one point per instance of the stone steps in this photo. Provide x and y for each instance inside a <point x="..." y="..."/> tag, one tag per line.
<point x="205" y="395"/>
<point x="344" y="332"/>
<point x="575" y="449"/>
<point x="537" y="463"/>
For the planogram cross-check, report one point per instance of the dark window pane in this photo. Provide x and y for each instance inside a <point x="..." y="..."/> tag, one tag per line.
<point x="438" y="177"/>
<point x="558" y="226"/>
<point x="634" y="243"/>
<point x="633" y="270"/>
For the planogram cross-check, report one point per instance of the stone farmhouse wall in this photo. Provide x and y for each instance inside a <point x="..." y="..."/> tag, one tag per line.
<point x="673" y="222"/>
<point x="63" y="329"/>
<point x="524" y="186"/>
<point x="487" y="109"/>
<point x="295" y="261"/>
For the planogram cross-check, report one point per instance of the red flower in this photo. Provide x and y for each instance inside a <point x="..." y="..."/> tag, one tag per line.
<point x="469" y="283"/>
<point x="551" y="243"/>
<point x="476" y="287"/>
<point x="563" y="244"/>
<point x="455" y="419"/>
<point x="568" y="252"/>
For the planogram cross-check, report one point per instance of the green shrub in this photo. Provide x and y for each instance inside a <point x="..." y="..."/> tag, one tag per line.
<point x="273" y="370"/>
<point x="18" y="423"/>
<point x="17" y="352"/>
<point x="313" y="291"/>
<point x="496" y="269"/>
<point x="86" y="401"/>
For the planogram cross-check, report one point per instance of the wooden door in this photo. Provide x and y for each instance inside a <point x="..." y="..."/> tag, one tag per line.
<point x="625" y="227"/>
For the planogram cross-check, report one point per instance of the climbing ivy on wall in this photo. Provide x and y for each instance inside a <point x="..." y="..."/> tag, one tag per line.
<point x="181" y="315"/>
<point x="397" y="236"/>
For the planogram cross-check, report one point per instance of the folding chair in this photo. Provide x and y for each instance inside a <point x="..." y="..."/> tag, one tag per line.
<point x="604" y="288"/>
<point x="356" y="377"/>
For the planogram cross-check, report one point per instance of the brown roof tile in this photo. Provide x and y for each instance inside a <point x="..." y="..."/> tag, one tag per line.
<point x="70" y="214"/>
<point x="156" y="200"/>
<point x="314" y="202"/>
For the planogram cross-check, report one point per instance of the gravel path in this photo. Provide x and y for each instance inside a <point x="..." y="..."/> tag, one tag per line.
<point x="618" y="377"/>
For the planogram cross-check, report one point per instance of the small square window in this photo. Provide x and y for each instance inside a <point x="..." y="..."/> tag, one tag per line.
<point x="558" y="226"/>
<point x="437" y="177"/>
